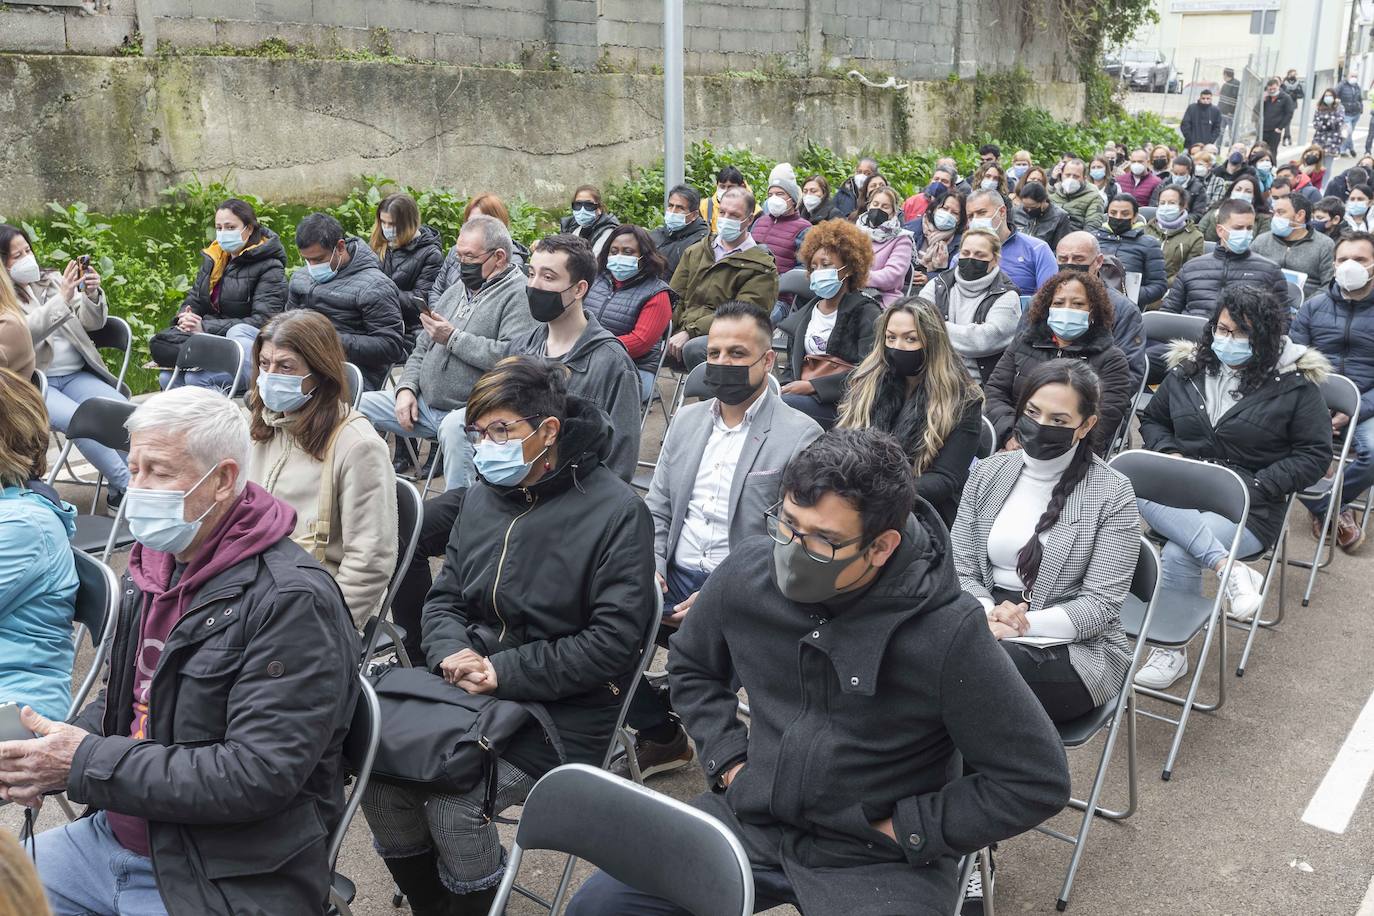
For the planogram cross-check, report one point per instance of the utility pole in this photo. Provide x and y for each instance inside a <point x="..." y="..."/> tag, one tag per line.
<point x="1310" y="95"/>
<point x="674" y="160"/>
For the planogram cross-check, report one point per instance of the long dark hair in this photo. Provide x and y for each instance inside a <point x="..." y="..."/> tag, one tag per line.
<point x="651" y="263"/>
<point x="1257" y="312"/>
<point x="1083" y="380"/>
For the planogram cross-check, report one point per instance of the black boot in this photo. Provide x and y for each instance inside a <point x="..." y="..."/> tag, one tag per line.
<point x="418" y="879"/>
<point x="478" y="903"/>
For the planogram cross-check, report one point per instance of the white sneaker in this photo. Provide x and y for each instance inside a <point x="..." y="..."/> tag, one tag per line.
<point x="1244" y="593"/>
<point x="1162" y="668"/>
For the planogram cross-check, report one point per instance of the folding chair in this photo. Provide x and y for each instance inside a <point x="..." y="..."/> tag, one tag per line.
<point x="589" y="814"/>
<point x="359" y="753"/>
<point x="1123" y="432"/>
<point x="101" y="420"/>
<point x="1340" y="394"/>
<point x="115" y="335"/>
<point x="795" y="282"/>
<point x="355" y="384"/>
<point x="1148" y="213"/>
<point x="40" y="381"/>
<point x="1108" y="717"/>
<point x="979" y="860"/>
<point x="1184" y="483"/>
<point x="1295" y="297"/>
<point x="987" y="439"/>
<point x="410" y="512"/>
<point x="210" y="353"/>
<point x="647" y="406"/>
<point x="1165" y="327"/>
<point x="1278" y="561"/>
<point x="1209" y="247"/>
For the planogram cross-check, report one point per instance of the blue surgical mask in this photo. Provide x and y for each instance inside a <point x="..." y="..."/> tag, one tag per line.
<point x="945" y="221"/>
<point x="674" y="221"/>
<point x="231" y="240"/>
<point x="1232" y="352"/>
<point x="1180" y="179"/>
<point x="1238" y="240"/>
<point x="389" y="233"/>
<point x="503" y="464"/>
<point x="1264" y="166"/>
<point x="622" y="266"/>
<point x="988" y="184"/>
<point x="322" y="273"/>
<point x="1243" y="195"/>
<point x="1098" y="173"/>
<point x="982" y="222"/>
<point x="825" y="282"/>
<point x="157" y="518"/>
<point x="1167" y="213"/>
<point x="584" y="218"/>
<point x="729" y="228"/>
<point x="1069" y="324"/>
<point x="1356" y="208"/>
<point x="1281" y="227"/>
<point x="282" y="393"/>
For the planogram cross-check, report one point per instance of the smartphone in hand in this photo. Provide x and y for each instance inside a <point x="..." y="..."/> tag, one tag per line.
<point x="11" y="729"/>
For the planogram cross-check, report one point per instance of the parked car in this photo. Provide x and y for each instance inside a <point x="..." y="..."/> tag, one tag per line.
<point x="1143" y="71"/>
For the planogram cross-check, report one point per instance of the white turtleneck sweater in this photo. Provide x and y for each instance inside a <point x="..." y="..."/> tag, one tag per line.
<point x="1014" y="526"/>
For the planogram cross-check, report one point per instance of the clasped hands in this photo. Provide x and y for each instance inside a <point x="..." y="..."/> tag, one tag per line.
<point x="470" y="671"/>
<point x="1008" y="620"/>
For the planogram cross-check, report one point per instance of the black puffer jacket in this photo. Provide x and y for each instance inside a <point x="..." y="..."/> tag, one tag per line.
<point x="1139" y="253"/>
<point x="364" y="307"/>
<point x="671" y="243"/>
<point x="1036" y="345"/>
<point x="1277" y="438"/>
<point x="251" y="290"/>
<point x="1049" y="228"/>
<point x="413" y="268"/>
<point x="562" y="573"/>
<point x="1201" y="280"/>
<point x="850" y="341"/>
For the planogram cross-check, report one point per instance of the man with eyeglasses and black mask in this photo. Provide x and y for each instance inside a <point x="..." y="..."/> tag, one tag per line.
<point x="719" y="471"/>
<point x="867" y="669"/>
<point x="465" y="334"/>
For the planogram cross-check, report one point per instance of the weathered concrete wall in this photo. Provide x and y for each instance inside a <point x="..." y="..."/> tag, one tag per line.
<point x="115" y="131"/>
<point x="913" y="39"/>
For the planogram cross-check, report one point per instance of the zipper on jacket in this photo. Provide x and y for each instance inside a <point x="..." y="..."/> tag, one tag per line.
<point x="530" y="500"/>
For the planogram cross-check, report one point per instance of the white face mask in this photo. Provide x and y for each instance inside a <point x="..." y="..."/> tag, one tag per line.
<point x="811" y="201"/>
<point x="1351" y="275"/>
<point x="26" y="270"/>
<point x="1137" y="168"/>
<point x="776" y="206"/>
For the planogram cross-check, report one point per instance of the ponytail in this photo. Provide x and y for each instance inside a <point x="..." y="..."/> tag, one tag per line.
<point x="1028" y="560"/>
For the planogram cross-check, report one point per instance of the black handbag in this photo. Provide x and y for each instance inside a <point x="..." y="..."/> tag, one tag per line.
<point x="164" y="346"/>
<point x="440" y="738"/>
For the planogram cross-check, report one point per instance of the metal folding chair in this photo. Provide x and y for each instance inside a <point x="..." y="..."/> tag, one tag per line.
<point x="1108" y="717"/>
<point x="40" y="381"/>
<point x="359" y="752"/>
<point x="987" y="439"/>
<point x="979" y="860"/>
<point x="1148" y="213"/>
<point x="210" y="353"/>
<point x="1277" y="560"/>
<point x="1184" y="483"/>
<point x="1164" y="327"/>
<point x="101" y="420"/>
<point x="1123" y="432"/>
<point x="410" y="512"/>
<point x="115" y="335"/>
<point x="1295" y="297"/>
<point x="646" y="407"/>
<point x="795" y="282"/>
<point x="588" y="814"/>
<point x="355" y="384"/>
<point x="1209" y="247"/>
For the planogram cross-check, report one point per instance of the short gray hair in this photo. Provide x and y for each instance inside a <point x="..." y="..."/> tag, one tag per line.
<point x="750" y="204"/>
<point x="994" y="195"/>
<point x="495" y="235"/>
<point x="211" y="426"/>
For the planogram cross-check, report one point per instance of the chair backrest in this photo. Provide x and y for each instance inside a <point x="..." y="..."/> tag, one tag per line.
<point x="1341" y="394"/>
<point x="1295" y="297"/>
<point x="987" y="439"/>
<point x="1184" y="483"/>
<point x="359" y="753"/>
<point x="97" y="609"/>
<point x="1148" y="213"/>
<point x="1162" y="327"/>
<point x="795" y="282"/>
<point x="102" y="419"/>
<point x="210" y="353"/>
<point x="115" y="335"/>
<point x="674" y="851"/>
<point x="410" y="511"/>
<point x="40" y="381"/>
<point x="355" y="384"/>
<point x="1145" y="580"/>
<point x="695" y="386"/>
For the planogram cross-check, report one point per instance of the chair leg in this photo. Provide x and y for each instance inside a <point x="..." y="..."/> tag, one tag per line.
<point x="989" y="890"/>
<point x="1090" y="808"/>
<point x="627" y="743"/>
<point x="563" y="884"/>
<point x="1177" y="744"/>
<point x="66" y="806"/>
<point x="1258" y="620"/>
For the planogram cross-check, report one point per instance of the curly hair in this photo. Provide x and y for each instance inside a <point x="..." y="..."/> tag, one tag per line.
<point x="1261" y="315"/>
<point x="1100" y="309"/>
<point x="847" y="242"/>
<point x="866" y="468"/>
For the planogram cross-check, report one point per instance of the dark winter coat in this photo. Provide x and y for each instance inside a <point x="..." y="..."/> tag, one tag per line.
<point x="241" y="778"/>
<point x="851" y="340"/>
<point x="1201" y="280"/>
<point x="1036" y="345"/>
<point x="1351" y="98"/>
<point x="1278" y="438"/>
<point x="1139" y="253"/>
<point x="1342" y="329"/>
<point x="825" y="210"/>
<point x="251" y="290"/>
<point x="363" y="305"/>
<point x="858" y="707"/>
<point x="413" y="268"/>
<point x="1200" y="124"/>
<point x="562" y="574"/>
<point x="671" y="243"/>
<point x="1050" y="228"/>
<point x="1278" y="113"/>
<point x="1197" y="195"/>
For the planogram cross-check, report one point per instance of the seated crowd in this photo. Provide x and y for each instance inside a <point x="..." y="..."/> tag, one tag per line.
<point x="895" y="528"/>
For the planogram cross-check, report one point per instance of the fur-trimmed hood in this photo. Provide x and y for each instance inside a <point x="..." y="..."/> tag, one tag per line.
<point x="1295" y="357"/>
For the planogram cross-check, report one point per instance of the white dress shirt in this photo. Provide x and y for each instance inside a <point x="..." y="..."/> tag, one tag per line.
<point x="704" y="541"/>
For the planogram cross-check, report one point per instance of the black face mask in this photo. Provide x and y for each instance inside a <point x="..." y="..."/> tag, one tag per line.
<point x="1159" y="164"/>
<point x="1119" y="226"/>
<point x="1076" y="268"/>
<point x="906" y="363"/>
<point x="876" y="217"/>
<point x="1044" y="443"/>
<point x="1033" y="212"/>
<point x="973" y="269"/>
<point x="471" y="274"/>
<point x="546" y="304"/>
<point x="730" y="384"/>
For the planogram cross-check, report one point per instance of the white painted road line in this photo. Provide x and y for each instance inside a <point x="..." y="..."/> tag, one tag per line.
<point x="1339" y="793"/>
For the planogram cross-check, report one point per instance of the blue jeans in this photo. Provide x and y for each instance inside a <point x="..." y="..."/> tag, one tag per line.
<point x="65" y="392"/>
<point x="647" y="380"/>
<point x="380" y="408"/>
<point x="84" y="871"/>
<point x="1359" y="474"/>
<point x="459" y="453"/>
<point x="1349" y="140"/>
<point x="245" y="334"/>
<point x="1195" y="540"/>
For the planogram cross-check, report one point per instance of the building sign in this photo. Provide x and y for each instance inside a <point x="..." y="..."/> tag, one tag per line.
<point x="1222" y="6"/>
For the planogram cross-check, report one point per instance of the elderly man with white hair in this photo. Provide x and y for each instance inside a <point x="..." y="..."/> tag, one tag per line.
<point x="465" y="335"/>
<point x="213" y="757"/>
<point x="1080" y="251"/>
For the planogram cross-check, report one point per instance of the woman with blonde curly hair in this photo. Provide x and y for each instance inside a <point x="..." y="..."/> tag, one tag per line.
<point x="833" y="331"/>
<point x="913" y="385"/>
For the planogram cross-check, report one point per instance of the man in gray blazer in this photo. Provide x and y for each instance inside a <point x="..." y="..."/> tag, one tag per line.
<point x="719" y="471"/>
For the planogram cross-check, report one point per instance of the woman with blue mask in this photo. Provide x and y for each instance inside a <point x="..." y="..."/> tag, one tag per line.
<point x="411" y="253"/>
<point x="1357" y="202"/>
<point x="631" y="300"/>
<point x="1069" y="318"/>
<point x="1174" y="229"/>
<point x="317" y="454"/>
<point x="545" y="596"/>
<point x="1244" y="396"/>
<point x="589" y="218"/>
<point x="936" y="234"/>
<point x="1246" y="188"/>
<point x="833" y="330"/>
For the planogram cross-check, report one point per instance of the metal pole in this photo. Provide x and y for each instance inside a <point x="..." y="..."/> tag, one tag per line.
<point x="1307" y="100"/>
<point x="674" y="161"/>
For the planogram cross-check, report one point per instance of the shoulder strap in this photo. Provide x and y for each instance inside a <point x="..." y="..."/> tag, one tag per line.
<point x="324" y="513"/>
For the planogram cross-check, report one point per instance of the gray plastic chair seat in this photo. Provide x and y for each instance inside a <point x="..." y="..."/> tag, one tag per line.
<point x="1179" y="616"/>
<point x="1078" y="732"/>
<point x="93" y="532"/>
<point x="795" y="282"/>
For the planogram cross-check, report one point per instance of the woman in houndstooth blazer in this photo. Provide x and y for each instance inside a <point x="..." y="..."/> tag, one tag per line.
<point x="1047" y="538"/>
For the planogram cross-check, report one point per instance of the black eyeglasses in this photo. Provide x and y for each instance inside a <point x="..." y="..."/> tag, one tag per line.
<point x="497" y="431"/>
<point x="817" y="548"/>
